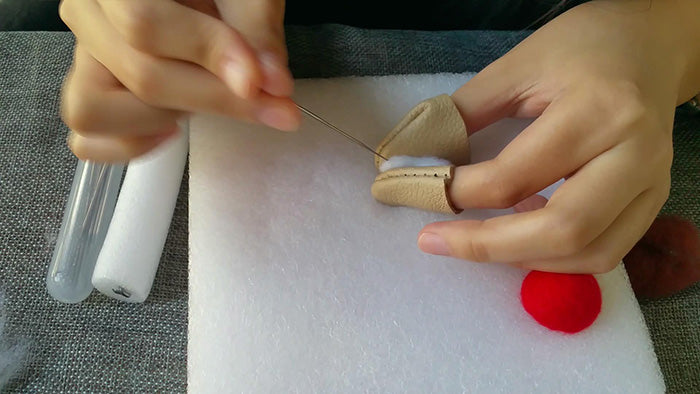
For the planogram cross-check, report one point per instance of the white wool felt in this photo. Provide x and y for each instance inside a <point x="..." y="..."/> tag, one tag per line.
<point x="300" y="281"/>
<point x="412" y="161"/>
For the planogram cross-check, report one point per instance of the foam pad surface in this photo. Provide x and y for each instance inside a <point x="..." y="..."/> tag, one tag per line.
<point x="301" y="282"/>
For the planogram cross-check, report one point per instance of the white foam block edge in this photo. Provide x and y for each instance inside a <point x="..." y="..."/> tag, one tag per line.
<point x="301" y="282"/>
<point x="129" y="258"/>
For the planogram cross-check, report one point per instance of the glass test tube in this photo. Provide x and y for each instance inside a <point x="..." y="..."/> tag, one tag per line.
<point x="85" y="222"/>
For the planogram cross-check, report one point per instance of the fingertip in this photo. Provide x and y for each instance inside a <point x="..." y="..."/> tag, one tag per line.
<point x="71" y="142"/>
<point x="432" y="243"/>
<point x="436" y="227"/>
<point x="431" y="238"/>
<point x="115" y="149"/>
<point x="280" y="117"/>
<point x="296" y="116"/>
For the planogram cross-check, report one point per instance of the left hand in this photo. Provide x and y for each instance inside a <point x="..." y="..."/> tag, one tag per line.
<point x="603" y="81"/>
<point x="141" y="65"/>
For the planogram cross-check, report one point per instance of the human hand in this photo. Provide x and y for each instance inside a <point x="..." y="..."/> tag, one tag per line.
<point x="603" y="81"/>
<point x="140" y="65"/>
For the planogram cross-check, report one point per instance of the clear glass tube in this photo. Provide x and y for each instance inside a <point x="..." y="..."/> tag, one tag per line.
<point x="85" y="222"/>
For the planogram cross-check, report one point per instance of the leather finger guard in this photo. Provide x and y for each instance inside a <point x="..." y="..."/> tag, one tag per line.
<point x="425" y="188"/>
<point x="434" y="127"/>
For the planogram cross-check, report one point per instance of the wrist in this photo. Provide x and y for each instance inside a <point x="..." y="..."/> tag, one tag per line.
<point x="661" y="39"/>
<point x="683" y="16"/>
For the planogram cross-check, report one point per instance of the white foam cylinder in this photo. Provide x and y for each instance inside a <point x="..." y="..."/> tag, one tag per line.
<point x="132" y="249"/>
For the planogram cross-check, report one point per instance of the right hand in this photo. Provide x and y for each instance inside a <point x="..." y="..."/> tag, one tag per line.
<point x="140" y="65"/>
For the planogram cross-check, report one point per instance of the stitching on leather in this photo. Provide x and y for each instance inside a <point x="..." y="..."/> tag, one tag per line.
<point x="415" y="175"/>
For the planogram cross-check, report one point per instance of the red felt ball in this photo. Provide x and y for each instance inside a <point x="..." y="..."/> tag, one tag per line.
<point x="561" y="302"/>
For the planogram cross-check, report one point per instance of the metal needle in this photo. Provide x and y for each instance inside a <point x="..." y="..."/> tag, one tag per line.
<point x="341" y="132"/>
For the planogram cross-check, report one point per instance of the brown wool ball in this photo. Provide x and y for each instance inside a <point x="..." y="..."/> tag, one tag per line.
<point x="666" y="260"/>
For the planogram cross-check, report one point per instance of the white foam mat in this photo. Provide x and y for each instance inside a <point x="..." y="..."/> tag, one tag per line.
<point x="301" y="282"/>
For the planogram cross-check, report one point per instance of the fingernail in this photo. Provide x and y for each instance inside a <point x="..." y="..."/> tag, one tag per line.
<point x="276" y="118"/>
<point x="236" y="79"/>
<point x="433" y="244"/>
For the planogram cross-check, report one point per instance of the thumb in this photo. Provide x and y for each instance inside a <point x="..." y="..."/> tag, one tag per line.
<point x="500" y="90"/>
<point x="261" y="22"/>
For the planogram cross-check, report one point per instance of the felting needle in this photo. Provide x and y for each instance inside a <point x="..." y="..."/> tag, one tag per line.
<point x="338" y="130"/>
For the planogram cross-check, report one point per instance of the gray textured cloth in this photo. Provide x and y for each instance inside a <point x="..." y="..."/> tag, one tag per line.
<point x="103" y="345"/>
<point x="100" y="345"/>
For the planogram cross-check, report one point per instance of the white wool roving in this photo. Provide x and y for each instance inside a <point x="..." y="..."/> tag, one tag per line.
<point x="412" y="161"/>
<point x="11" y="355"/>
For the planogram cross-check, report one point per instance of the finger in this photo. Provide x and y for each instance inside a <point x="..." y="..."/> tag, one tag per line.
<point x="579" y="210"/>
<point x="94" y="103"/>
<point x="114" y="149"/>
<point x="504" y="88"/>
<point x="262" y="25"/>
<point x="553" y="146"/>
<point x="606" y="251"/>
<point x="531" y="203"/>
<point x="174" y="84"/>
<point x="171" y="30"/>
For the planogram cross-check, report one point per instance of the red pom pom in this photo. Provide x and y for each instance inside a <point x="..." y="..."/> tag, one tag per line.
<point x="561" y="302"/>
<point x="666" y="260"/>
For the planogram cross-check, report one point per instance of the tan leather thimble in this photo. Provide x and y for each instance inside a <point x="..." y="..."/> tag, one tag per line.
<point x="434" y="127"/>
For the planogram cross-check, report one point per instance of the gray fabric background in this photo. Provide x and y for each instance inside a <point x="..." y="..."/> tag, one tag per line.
<point x="102" y="345"/>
